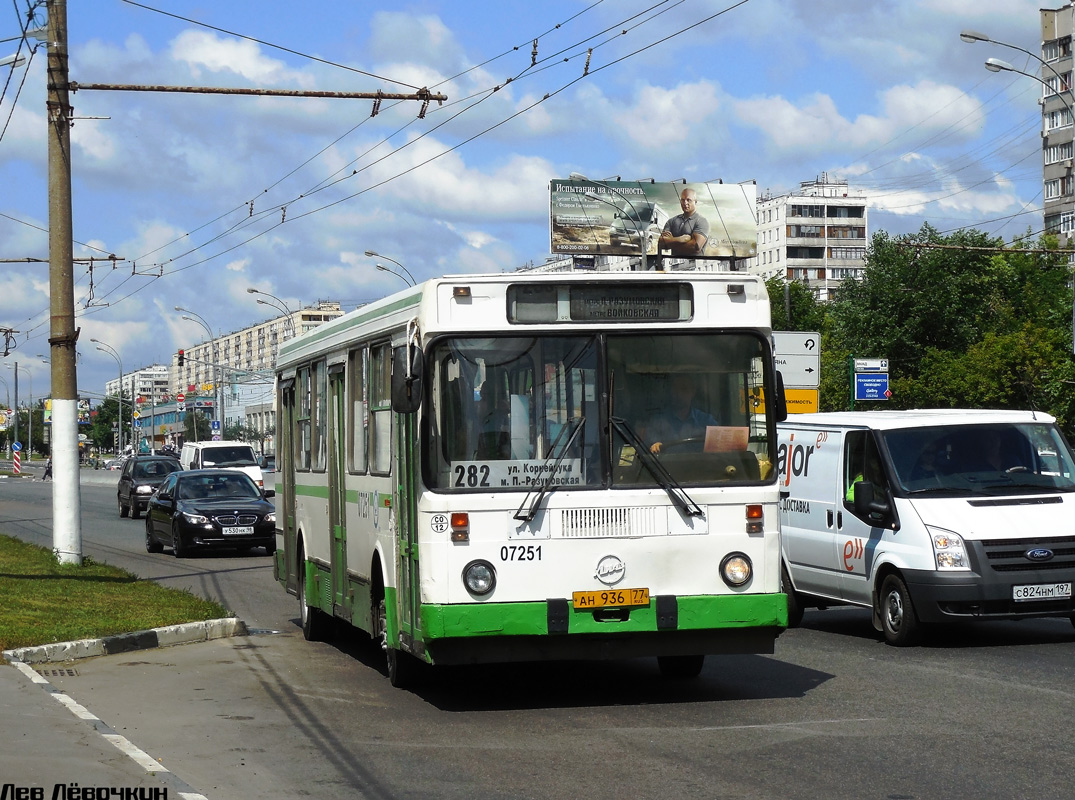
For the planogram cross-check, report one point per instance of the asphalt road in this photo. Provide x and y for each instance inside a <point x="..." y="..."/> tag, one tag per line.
<point x="979" y="711"/>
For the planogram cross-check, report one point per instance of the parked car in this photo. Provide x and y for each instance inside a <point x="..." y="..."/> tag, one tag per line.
<point x="268" y="463"/>
<point x="210" y="508"/>
<point x="115" y="463"/>
<point x="140" y="477"/>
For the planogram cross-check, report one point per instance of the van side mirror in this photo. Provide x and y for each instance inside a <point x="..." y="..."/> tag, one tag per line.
<point x="868" y="503"/>
<point x="408" y="383"/>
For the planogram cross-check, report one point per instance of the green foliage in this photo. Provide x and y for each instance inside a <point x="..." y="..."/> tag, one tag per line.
<point x="966" y="321"/>
<point x="43" y="601"/>
<point x="203" y="433"/>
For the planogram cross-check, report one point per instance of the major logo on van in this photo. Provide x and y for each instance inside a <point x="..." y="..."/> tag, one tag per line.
<point x="794" y="459"/>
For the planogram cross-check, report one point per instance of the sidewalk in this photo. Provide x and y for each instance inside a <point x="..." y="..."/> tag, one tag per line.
<point x="50" y="740"/>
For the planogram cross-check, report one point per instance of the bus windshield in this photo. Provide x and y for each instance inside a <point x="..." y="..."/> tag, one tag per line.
<point x="573" y="411"/>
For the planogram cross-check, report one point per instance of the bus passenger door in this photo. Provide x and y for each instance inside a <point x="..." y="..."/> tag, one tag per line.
<point x="406" y="505"/>
<point x="337" y="502"/>
<point x="287" y="569"/>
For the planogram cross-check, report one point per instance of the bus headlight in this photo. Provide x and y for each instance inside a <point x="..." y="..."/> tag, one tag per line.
<point x="736" y="569"/>
<point x="479" y="577"/>
<point x="949" y="552"/>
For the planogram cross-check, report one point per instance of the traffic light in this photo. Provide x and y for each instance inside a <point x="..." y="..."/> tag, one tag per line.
<point x="180" y="358"/>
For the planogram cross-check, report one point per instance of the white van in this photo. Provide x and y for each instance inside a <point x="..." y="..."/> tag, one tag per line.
<point x="222" y="455"/>
<point x="927" y="516"/>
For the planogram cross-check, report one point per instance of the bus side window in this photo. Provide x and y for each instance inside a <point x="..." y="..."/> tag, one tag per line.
<point x="380" y="393"/>
<point x="358" y="420"/>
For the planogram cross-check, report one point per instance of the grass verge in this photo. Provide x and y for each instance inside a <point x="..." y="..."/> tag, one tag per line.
<point x="43" y="601"/>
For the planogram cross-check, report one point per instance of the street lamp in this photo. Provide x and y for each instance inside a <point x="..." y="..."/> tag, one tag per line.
<point x="105" y="348"/>
<point x="996" y="65"/>
<point x="279" y="305"/>
<point x="407" y="272"/>
<point x="643" y="236"/>
<point x="30" y="426"/>
<point x="218" y="389"/>
<point x="403" y="278"/>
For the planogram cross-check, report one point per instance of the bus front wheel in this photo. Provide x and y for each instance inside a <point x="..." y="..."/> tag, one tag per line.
<point x="401" y="667"/>
<point x="680" y="667"/>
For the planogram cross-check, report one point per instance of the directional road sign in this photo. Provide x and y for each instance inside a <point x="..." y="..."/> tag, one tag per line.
<point x="798" y="357"/>
<point x="872" y="386"/>
<point x="871" y="365"/>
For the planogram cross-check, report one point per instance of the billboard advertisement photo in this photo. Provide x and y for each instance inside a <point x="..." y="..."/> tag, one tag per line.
<point x="629" y="218"/>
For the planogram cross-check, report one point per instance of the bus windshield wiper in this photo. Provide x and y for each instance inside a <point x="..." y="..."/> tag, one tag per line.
<point x="531" y="510"/>
<point x="680" y="498"/>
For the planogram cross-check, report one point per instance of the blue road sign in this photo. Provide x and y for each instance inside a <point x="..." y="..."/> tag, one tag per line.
<point x="872" y="386"/>
<point x="16" y="446"/>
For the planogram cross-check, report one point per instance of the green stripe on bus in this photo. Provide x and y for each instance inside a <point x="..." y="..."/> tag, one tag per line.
<point x="705" y="612"/>
<point x="312" y="491"/>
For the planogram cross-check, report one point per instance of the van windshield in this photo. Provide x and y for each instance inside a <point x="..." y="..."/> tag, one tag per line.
<point x="228" y="457"/>
<point x="992" y="458"/>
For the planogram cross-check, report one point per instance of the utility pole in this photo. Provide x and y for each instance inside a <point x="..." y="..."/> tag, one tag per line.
<point x="63" y="336"/>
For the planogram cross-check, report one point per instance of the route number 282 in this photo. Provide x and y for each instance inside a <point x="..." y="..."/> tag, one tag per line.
<point x="471" y="476"/>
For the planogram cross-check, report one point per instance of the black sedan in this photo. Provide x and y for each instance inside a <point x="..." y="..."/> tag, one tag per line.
<point x="210" y="508"/>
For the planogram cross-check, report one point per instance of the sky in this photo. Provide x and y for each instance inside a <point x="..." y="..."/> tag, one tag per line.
<point x="203" y="196"/>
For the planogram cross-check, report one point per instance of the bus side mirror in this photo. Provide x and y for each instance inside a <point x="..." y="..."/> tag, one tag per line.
<point x="780" y="403"/>
<point x="407" y="380"/>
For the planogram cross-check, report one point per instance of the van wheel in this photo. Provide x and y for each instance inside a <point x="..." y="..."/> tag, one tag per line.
<point x="795" y="603"/>
<point x="680" y="667"/>
<point x="123" y="510"/>
<point x="898" y="621"/>
<point x="314" y="622"/>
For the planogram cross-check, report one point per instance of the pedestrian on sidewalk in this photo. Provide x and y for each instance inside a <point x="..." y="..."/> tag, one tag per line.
<point x="48" y="470"/>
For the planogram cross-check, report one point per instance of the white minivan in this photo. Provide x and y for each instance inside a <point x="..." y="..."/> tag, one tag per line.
<point x="222" y="455"/>
<point x="927" y="516"/>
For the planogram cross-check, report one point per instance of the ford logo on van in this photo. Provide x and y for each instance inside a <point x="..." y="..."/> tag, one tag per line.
<point x="1039" y="554"/>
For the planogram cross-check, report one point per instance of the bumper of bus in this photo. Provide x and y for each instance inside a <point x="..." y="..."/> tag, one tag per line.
<point x="669" y="626"/>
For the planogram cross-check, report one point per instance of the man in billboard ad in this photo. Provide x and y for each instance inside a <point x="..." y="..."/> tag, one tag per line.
<point x="631" y="218"/>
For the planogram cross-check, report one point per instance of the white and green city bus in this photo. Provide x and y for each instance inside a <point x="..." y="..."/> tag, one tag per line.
<point x="470" y="472"/>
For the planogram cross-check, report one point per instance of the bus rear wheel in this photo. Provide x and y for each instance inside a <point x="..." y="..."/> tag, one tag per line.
<point x="680" y="667"/>
<point x="314" y="622"/>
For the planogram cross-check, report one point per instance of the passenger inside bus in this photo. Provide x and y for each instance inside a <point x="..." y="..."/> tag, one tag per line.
<point x="494" y="436"/>
<point x="680" y="422"/>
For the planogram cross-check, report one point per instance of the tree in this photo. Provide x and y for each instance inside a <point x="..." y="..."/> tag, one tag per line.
<point x="963" y="320"/>
<point x="807" y="313"/>
<point x="202" y="433"/>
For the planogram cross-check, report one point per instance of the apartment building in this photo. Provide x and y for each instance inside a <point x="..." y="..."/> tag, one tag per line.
<point x="816" y="236"/>
<point x="152" y="383"/>
<point x="1058" y="176"/>
<point x="246" y="355"/>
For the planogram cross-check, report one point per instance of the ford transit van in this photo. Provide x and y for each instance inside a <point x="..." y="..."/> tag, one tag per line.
<point x="222" y="455"/>
<point x="927" y="516"/>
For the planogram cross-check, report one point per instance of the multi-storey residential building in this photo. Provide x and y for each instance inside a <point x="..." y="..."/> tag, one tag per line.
<point x="1058" y="175"/>
<point x="152" y="383"/>
<point x="816" y="236"/>
<point x="245" y="355"/>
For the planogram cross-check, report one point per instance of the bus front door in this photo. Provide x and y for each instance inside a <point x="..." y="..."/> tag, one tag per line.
<point x="405" y="503"/>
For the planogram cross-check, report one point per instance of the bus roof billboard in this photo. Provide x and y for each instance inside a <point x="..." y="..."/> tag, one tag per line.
<point x="681" y="220"/>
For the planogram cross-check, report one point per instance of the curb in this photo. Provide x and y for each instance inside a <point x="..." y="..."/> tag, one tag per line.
<point x="186" y="633"/>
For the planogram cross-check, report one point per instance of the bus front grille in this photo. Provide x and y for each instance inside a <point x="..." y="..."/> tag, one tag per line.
<point x="606" y="523"/>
